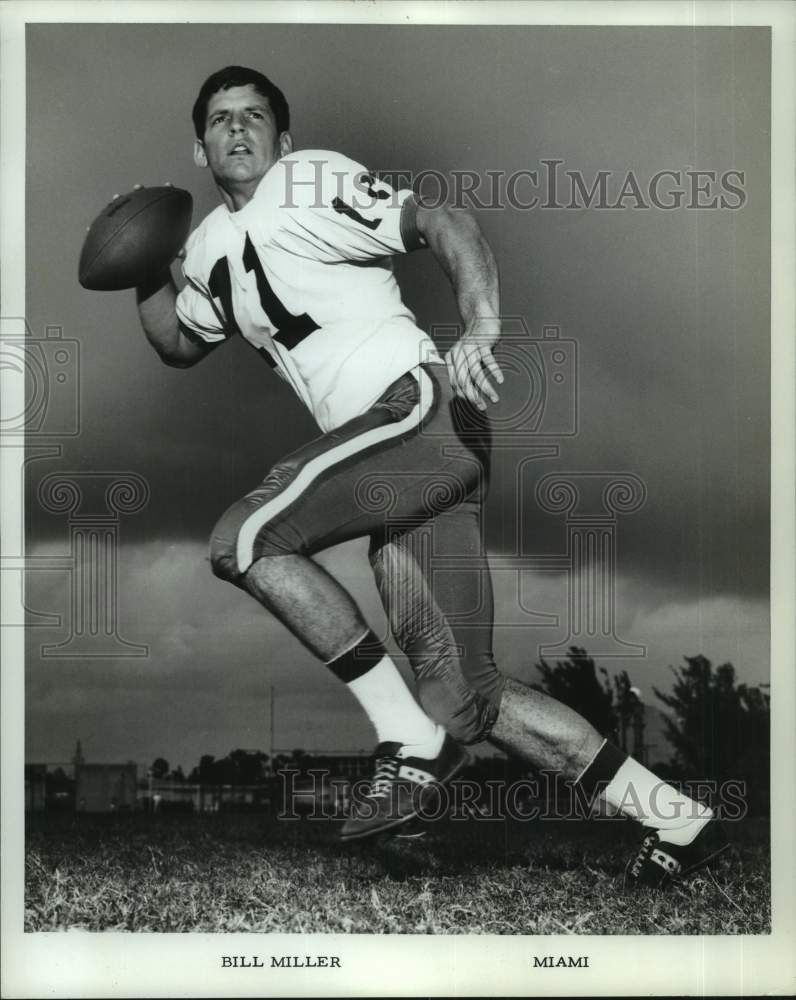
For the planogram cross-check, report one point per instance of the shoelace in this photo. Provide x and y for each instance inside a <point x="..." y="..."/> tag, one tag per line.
<point x="383" y="777"/>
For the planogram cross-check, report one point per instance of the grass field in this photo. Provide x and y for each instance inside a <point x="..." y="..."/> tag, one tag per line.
<point x="252" y="872"/>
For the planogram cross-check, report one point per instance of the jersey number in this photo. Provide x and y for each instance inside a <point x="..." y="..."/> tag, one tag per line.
<point x="221" y="288"/>
<point x="343" y="209"/>
<point x="290" y="329"/>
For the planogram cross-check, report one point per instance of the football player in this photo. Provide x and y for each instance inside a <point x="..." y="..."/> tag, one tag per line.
<point x="296" y="260"/>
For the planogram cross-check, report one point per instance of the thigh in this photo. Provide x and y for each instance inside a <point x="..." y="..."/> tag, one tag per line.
<point x="394" y="465"/>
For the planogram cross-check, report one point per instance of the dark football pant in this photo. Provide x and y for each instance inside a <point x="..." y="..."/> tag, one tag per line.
<point x="410" y="473"/>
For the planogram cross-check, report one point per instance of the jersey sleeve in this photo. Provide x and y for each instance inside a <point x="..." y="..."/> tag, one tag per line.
<point x="199" y="315"/>
<point x="342" y="211"/>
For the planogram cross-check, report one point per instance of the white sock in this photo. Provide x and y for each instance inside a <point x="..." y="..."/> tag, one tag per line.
<point x="638" y="793"/>
<point x="374" y="680"/>
<point x="393" y="711"/>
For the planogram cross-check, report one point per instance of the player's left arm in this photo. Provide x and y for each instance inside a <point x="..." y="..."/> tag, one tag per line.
<point x="456" y="240"/>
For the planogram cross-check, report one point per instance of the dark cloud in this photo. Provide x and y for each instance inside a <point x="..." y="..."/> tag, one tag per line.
<point x="213" y="657"/>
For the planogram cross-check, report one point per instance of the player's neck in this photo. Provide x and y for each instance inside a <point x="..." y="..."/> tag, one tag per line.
<point x="237" y="196"/>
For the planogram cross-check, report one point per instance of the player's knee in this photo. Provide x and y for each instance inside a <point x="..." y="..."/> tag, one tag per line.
<point x="226" y="554"/>
<point x="224" y="559"/>
<point x="467" y="717"/>
<point x="472" y="726"/>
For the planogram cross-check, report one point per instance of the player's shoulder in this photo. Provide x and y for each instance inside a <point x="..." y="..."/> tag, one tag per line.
<point x="308" y="177"/>
<point x="214" y="224"/>
<point x="323" y="161"/>
<point x="206" y="242"/>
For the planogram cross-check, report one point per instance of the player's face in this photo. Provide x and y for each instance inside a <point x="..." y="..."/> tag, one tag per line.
<point x="241" y="142"/>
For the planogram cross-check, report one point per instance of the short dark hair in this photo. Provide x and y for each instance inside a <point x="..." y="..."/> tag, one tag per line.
<point x="240" y="76"/>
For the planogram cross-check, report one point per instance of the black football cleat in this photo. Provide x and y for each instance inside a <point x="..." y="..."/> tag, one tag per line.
<point x="659" y="863"/>
<point x="400" y="786"/>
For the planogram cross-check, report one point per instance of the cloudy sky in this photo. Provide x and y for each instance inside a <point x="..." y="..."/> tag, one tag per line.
<point x="666" y="311"/>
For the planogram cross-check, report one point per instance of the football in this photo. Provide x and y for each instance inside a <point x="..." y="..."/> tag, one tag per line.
<point x="134" y="237"/>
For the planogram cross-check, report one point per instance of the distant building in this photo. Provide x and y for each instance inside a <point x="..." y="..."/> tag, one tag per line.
<point x="105" y="787"/>
<point x="337" y="765"/>
<point x="165" y="796"/>
<point x="35" y="787"/>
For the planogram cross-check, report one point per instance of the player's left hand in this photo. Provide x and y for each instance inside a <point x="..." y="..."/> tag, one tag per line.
<point x="471" y="364"/>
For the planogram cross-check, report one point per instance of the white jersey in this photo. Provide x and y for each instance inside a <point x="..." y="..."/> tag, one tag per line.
<point x="303" y="273"/>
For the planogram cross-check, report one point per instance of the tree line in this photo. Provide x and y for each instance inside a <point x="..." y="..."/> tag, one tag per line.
<point x="719" y="729"/>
